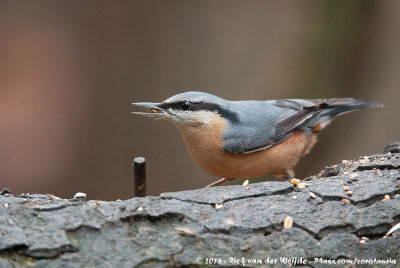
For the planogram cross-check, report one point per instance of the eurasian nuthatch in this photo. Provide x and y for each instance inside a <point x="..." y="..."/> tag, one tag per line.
<point x="247" y="139"/>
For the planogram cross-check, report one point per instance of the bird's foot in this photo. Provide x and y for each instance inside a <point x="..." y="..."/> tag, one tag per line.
<point x="296" y="182"/>
<point x="289" y="178"/>
<point x="219" y="182"/>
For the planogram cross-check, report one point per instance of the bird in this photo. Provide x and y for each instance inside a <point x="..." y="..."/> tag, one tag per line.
<point x="249" y="138"/>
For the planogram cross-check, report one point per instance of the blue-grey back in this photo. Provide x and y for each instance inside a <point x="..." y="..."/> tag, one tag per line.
<point x="256" y="126"/>
<point x="262" y="124"/>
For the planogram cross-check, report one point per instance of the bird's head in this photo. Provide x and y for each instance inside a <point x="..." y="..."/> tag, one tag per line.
<point x="191" y="109"/>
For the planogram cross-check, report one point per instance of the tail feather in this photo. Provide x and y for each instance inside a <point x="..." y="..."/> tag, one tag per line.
<point x="338" y="106"/>
<point x="331" y="108"/>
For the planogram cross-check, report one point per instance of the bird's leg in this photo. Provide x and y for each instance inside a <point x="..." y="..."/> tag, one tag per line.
<point x="219" y="182"/>
<point x="289" y="176"/>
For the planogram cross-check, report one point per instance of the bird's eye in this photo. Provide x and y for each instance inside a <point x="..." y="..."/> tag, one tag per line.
<point x="186" y="105"/>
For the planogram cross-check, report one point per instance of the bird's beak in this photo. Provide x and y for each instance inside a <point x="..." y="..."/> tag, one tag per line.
<point x="155" y="110"/>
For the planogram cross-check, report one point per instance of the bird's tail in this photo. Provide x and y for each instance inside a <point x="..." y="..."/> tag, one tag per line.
<point x="338" y="106"/>
<point x="330" y="108"/>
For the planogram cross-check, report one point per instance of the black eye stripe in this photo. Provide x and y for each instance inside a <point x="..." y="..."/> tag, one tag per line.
<point x="186" y="105"/>
<point x="202" y="106"/>
<point x="172" y="105"/>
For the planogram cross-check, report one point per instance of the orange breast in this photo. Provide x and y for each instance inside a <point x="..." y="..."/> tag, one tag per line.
<point x="205" y="145"/>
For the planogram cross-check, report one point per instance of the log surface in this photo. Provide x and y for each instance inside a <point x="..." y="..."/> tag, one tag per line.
<point x="219" y="225"/>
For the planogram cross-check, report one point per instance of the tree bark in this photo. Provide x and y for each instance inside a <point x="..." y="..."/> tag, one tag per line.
<point x="342" y="214"/>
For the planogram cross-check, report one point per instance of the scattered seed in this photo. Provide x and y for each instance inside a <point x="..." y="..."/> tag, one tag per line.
<point x="349" y="193"/>
<point x="386" y="197"/>
<point x="382" y="159"/>
<point x="295" y="181"/>
<point x="246" y="247"/>
<point x="80" y="195"/>
<point x="287" y="222"/>
<point x="185" y="231"/>
<point x="394" y="229"/>
<point x="362" y="241"/>
<point x="312" y="195"/>
<point x="365" y="238"/>
<point x="245" y="183"/>
<point x="364" y="160"/>
<point x="139" y="209"/>
<point x="302" y="185"/>
<point x="6" y="205"/>
<point x="346" y="201"/>
<point x="229" y="222"/>
<point x="218" y="206"/>
<point x="353" y="176"/>
<point x="346" y="188"/>
<point x="294" y="197"/>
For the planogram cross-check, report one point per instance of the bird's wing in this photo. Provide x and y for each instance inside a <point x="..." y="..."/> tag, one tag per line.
<point x="265" y="124"/>
<point x="282" y="118"/>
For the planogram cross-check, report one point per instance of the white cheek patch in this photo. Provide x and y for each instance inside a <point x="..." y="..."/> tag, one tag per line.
<point x="194" y="118"/>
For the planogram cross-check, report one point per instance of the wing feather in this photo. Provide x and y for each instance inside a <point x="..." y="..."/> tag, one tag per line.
<point x="282" y="118"/>
<point x="285" y="127"/>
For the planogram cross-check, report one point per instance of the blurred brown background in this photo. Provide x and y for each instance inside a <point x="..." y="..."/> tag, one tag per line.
<point x="70" y="69"/>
